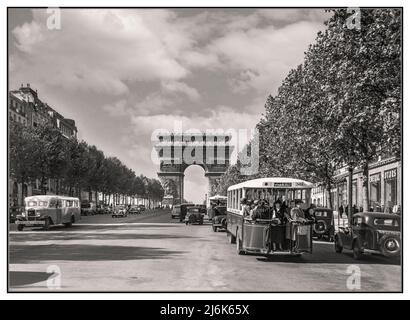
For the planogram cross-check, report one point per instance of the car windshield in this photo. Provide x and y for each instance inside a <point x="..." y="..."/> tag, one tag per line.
<point x="386" y="223"/>
<point x="33" y="203"/>
<point x="220" y="211"/>
<point x="194" y="210"/>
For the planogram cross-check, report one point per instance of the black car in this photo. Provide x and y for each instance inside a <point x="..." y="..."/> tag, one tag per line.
<point x="371" y="232"/>
<point x="219" y="218"/>
<point x="14" y="211"/>
<point x="323" y="227"/>
<point x="134" y="210"/>
<point x="119" y="212"/>
<point x="194" y="214"/>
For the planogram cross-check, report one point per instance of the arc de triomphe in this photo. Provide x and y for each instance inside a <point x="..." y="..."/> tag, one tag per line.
<point x="177" y="151"/>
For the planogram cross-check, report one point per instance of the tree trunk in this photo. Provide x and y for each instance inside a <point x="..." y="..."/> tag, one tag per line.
<point x="365" y="188"/>
<point x="329" y="195"/>
<point x="96" y="197"/>
<point x="22" y="193"/>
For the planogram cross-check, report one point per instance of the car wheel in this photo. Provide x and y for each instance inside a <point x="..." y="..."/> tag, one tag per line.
<point x="214" y="228"/>
<point x="357" y="251"/>
<point x="20" y="227"/>
<point x="389" y="246"/>
<point x="338" y="247"/>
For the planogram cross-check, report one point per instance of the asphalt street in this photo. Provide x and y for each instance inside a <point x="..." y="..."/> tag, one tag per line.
<point x="152" y="252"/>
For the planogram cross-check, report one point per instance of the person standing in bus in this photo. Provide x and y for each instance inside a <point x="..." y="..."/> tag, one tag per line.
<point x="246" y="208"/>
<point x="278" y="232"/>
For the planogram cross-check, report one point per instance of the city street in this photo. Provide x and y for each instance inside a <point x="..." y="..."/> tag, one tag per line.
<point x="152" y="252"/>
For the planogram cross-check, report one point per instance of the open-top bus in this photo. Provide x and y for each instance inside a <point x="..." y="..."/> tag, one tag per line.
<point x="256" y="235"/>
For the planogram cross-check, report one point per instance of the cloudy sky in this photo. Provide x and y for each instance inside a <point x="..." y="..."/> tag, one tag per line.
<point x="121" y="74"/>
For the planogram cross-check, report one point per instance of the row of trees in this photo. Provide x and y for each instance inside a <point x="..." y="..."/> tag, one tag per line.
<point x="42" y="153"/>
<point x="341" y="106"/>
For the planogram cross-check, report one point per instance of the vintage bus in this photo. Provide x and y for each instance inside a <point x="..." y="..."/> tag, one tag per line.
<point x="256" y="235"/>
<point x="46" y="210"/>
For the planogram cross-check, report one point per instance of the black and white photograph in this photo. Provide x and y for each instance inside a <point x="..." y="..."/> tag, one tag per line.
<point x="204" y="150"/>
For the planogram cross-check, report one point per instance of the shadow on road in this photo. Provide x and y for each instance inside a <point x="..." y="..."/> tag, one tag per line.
<point x="36" y="253"/>
<point x="44" y="236"/>
<point x="85" y="227"/>
<point x="22" y="278"/>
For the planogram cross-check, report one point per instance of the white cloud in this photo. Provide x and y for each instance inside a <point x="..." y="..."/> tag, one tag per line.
<point x="159" y="67"/>
<point x="180" y="87"/>
<point x="117" y="109"/>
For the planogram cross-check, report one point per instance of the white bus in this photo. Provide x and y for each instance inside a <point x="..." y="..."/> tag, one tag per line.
<point x="46" y="210"/>
<point x="260" y="235"/>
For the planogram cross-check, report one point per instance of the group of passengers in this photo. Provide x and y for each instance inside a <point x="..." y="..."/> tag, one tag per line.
<point x="280" y="212"/>
<point x="283" y="216"/>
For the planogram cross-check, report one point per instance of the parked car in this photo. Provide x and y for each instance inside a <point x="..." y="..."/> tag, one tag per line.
<point x="14" y="211"/>
<point x="102" y="209"/>
<point x="324" y="224"/>
<point x="88" y="208"/>
<point x="371" y="232"/>
<point x="134" y="210"/>
<point x="119" y="212"/>
<point x="194" y="214"/>
<point x="219" y="219"/>
<point x="141" y="207"/>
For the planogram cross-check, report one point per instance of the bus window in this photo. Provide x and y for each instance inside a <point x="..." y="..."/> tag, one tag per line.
<point x="53" y="203"/>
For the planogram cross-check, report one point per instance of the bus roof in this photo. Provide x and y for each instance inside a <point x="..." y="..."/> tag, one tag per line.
<point x="50" y="196"/>
<point x="274" y="182"/>
<point x="218" y="197"/>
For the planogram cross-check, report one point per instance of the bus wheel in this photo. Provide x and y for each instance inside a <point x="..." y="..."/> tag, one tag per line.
<point x="231" y="238"/>
<point x="47" y="224"/>
<point x="20" y="227"/>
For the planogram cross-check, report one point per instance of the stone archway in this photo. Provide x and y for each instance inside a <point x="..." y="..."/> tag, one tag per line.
<point x="176" y="152"/>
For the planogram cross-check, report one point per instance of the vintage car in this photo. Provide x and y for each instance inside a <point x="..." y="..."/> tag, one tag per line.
<point x="14" y="211"/>
<point x="219" y="218"/>
<point x="119" y="212"/>
<point x="141" y="207"/>
<point x="134" y="210"/>
<point x="371" y="232"/>
<point x="180" y="210"/>
<point x="88" y="208"/>
<point x="194" y="214"/>
<point x="324" y="224"/>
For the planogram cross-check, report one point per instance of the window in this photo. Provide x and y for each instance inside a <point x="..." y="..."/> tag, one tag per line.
<point x="386" y="222"/>
<point x="69" y="203"/>
<point x="354" y="192"/>
<point x="375" y="190"/>
<point x="390" y="189"/>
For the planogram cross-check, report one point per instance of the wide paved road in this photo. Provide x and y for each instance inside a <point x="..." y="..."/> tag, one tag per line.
<point x="152" y="252"/>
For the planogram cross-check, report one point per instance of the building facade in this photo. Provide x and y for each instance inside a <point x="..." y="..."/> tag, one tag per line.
<point x="25" y="107"/>
<point x="384" y="191"/>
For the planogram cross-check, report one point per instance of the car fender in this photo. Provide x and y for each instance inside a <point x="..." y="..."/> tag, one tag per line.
<point x="355" y="240"/>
